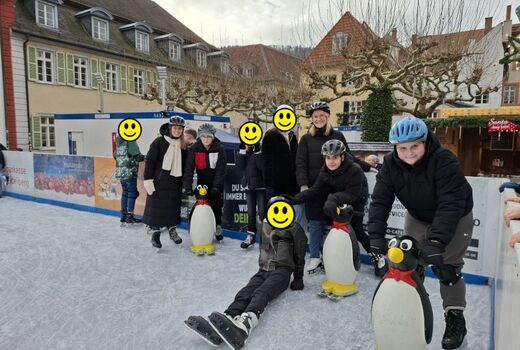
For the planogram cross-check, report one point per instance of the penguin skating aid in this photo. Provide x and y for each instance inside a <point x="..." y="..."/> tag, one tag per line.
<point x="202" y="224"/>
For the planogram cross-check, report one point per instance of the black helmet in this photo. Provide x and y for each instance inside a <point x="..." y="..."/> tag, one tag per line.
<point x="319" y="105"/>
<point x="177" y="121"/>
<point x="333" y="148"/>
<point x="277" y="199"/>
<point x="206" y="129"/>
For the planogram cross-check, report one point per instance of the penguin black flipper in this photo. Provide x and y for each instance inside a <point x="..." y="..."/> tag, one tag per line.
<point x="355" y="248"/>
<point x="426" y="306"/>
<point x="377" y="289"/>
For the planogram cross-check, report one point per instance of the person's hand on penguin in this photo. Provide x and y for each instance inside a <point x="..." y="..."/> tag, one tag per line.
<point x="378" y="244"/>
<point x="432" y="252"/>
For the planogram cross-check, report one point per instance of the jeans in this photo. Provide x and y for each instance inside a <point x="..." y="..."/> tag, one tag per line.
<point x="316" y="233"/>
<point x="129" y="194"/>
<point x="255" y="198"/>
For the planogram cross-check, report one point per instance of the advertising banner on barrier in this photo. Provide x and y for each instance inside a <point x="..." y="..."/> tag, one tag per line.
<point x="64" y="178"/>
<point x="235" y="205"/>
<point x="20" y="169"/>
<point x="480" y="256"/>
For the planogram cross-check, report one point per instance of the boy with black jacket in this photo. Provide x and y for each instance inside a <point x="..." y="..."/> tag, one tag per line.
<point x="282" y="254"/>
<point x="208" y="157"/>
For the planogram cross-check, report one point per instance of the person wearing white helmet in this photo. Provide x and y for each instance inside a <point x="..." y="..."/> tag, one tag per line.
<point x="429" y="182"/>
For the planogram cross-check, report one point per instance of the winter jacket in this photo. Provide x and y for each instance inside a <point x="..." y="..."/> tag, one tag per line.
<point x="2" y="159"/>
<point x="309" y="163"/>
<point x="251" y="163"/>
<point x="279" y="162"/>
<point x="210" y="165"/>
<point x="282" y="248"/>
<point x="433" y="190"/>
<point x="163" y="206"/>
<point x="127" y="156"/>
<point x="345" y="185"/>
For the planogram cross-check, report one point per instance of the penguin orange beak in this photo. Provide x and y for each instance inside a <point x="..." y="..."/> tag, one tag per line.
<point x="395" y="255"/>
<point x="203" y="191"/>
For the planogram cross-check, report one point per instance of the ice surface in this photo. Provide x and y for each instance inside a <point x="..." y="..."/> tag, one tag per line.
<point x="76" y="280"/>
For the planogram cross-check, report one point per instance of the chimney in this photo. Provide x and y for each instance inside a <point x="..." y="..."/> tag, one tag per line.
<point x="394" y="34"/>
<point x="508" y="13"/>
<point x="489" y="25"/>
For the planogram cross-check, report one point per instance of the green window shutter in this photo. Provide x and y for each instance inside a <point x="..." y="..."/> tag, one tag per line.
<point x="31" y="63"/>
<point x="148" y="82"/>
<point x="123" y="78"/>
<point x="36" y="132"/>
<point x="70" y="69"/>
<point x="102" y="70"/>
<point x="94" y="70"/>
<point x="131" y="87"/>
<point x="60" y="58"/>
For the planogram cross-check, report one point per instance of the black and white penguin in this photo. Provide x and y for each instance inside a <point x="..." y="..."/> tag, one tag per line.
<point x="202" y="224"/>
<point x="402" y="315"/>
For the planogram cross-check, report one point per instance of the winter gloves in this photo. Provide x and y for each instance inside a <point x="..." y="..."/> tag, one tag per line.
<point x="378" y="244"/>
<point x="432" y="252"/>
<point x="149" y="186"/>
<point x="297" y="284"/>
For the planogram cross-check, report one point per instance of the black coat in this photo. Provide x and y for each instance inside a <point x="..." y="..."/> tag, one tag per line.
<point x="345" y="185"/>
<point x="309" y="162"/>
<point x="434" y="190"/>
<point x="210" y="165"/>
<point x="279" y="162"/>
<point x="163" y="206"/>
<point x="252" y="165"/>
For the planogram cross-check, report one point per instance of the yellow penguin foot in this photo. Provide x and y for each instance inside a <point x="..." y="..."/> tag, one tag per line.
<point x="201" y="249"/>
<point x="339" y="290"/>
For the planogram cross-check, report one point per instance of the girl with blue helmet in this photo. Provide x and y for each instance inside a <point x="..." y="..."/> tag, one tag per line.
<point x="429" y="182"/>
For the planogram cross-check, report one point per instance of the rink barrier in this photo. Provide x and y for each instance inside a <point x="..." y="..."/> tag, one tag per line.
<point x="505" y="304"/>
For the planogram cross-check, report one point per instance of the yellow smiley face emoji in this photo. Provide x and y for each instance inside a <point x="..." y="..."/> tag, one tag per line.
<point x="284" y="119"/>
<point x="129" y="129"/>
<point x="280" y="214"/>
<point x="250" y="133"/>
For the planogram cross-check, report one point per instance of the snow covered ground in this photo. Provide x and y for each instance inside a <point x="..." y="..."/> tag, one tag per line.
<point x="76" y="280"/>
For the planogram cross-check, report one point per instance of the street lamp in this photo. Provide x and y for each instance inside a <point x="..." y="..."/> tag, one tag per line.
<point x="100" y="79"/>
<point x="163" y="74"/>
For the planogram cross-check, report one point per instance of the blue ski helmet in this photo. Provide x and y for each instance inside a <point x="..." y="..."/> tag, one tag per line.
<point x="408" y="129"/>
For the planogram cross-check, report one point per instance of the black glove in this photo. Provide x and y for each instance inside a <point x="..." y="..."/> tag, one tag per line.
<point x="187" y="192"/>
<point x="256" y="147"/>
<point x="289" y="198"/>
<point x="242" y="145"/>
<point x="330" y="208"/>
<point x="432" y="252"/>
<point x="297" y="284"/>
<point x="378" y="244"/>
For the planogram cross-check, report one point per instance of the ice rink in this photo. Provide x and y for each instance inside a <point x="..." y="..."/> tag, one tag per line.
<point x="76" y="280"/>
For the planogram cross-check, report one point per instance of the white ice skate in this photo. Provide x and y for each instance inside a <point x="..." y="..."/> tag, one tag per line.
<point x="315" y="265"/>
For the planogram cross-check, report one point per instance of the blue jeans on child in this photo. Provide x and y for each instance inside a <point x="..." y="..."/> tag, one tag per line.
<point x="129" y="194"/>
<point x="316" y="233"/>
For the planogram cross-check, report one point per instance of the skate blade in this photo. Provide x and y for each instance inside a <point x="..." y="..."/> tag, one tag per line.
<point x="217" y="329"/>
<point x="199" y="334"/>
<point x="317" y="271"/>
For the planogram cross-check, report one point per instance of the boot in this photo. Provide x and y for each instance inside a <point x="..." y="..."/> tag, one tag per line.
<point x="314" y="265"/>
<point x="250" y="240"/>
<point x="174" y="236"/>
<point x="218" y="234"/>
<point x="123" y="216"/>
<point x="156" y="239"/>
<point x="380" y="265"/>
<point x="130" y="219"/>
<point x="234" y="330"/>
<point x="455" y="329"/>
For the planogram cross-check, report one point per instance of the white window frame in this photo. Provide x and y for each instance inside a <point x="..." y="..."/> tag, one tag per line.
<point x="97" y="24"/>
<point x="111" y="77"/>
<point x="201" y="59"/>
<point x="248" y="72"/>
<point x="43" y="62"/>
<point x="47" y="122"/>
<point x="81" y="72"/>
<point x="50" y="12"/>
<point x="482" y="99"/>
<point x="139" y="82"/>
<point x="339" y="42"/>
<point x="175" y="51"/>
<point x="509" y="95"/>
<point x="142" y="41"/>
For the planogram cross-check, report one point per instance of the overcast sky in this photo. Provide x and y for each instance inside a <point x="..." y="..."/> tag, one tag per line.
<point x="243" y="22"/>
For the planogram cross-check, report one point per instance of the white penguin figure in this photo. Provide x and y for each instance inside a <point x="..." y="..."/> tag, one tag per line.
<point x="202" y="224"/>
<point x="340" y="257"/>
<point x="401" y="311"/>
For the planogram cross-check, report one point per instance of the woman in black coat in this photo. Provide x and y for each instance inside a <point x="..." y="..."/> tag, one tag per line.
<point x="163" y="180"/>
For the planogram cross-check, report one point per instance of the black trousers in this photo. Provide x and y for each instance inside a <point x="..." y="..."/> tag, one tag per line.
<point x="216" y="202"/>
<point x="255" y="198"/>
<point x="357" y="225"/>
<point x="263" y="287"/>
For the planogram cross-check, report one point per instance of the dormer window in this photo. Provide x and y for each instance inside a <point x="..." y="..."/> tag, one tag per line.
<point x="175" y="51"/>
<point x="201" y="59"/>
<point x="339" y="42"/>
<point x="248" y="72"/>
<point x="46" y="14"/>
<point x="171" y="44"/>
<point x="142" y="41"/>
<point x="99" y="29"/>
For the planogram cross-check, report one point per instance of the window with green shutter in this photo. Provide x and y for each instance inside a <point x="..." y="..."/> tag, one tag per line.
<point x="70" y="69"/>
<point x="36" y="133"/>
<point x="94" y="70"/>
<point x="123" y="78"/>
<point x="31" y="62"/>
<point x="131" y="86"/>
<point x="60" y="58"/>
<point x="148" y="82"/>
<point x="102" y="70"/>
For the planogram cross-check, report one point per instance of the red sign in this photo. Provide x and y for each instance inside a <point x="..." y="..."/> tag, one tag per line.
<point x="501" y="126"/>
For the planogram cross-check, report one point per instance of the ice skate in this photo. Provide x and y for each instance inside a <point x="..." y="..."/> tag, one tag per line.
<point x="315" y="266"/>
<point x="156" y="240"/>
<point x="250" y="240"/>
<point x="218" y="234"/>
<point x="130" y="219"/>
<point x="122" y="220"/>
<point x="200" y="326"/>
<point x="233" y="331"/>
<point x="174" y="236"/>
<point x="455" y="333"/>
